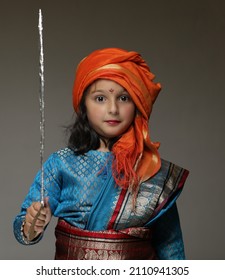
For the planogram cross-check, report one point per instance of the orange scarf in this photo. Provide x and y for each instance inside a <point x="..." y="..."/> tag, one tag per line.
<point x="136" y="157"/>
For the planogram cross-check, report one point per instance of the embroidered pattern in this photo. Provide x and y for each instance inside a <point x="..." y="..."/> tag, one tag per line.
<point x="77" y="244"/>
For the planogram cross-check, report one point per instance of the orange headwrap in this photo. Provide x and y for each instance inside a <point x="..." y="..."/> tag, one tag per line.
<point x="136" y="157"/>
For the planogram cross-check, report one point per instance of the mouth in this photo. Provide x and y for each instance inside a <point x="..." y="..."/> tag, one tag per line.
<point x="113" y="122"/>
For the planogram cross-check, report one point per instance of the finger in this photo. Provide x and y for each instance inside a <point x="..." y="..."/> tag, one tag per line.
<point x="41" y="218"/>
<point x="39" y="224"/>
<point x="47" y="205"/>
<point x="43" y="211"/>
<point x="46" y="201"/>
<point x="32" y="215"/>
<point x="29" y="218"/>
<point x="36" y="226"/>
<point x="37" y="206"/>
<point x="33" y="209"/>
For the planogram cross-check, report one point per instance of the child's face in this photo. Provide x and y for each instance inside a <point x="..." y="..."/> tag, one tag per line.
<point x="110" y="110"/>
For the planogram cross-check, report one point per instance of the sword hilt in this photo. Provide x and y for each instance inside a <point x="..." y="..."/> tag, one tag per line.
<point x="32" y="232"/>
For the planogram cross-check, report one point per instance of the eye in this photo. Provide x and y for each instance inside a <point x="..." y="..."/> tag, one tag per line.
<point x="100" y="98"/>
<point x="124" y="98"/>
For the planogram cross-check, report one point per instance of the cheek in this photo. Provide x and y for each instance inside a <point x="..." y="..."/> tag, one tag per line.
<point x="130" y="111"/>
<point x="94" y="114"/>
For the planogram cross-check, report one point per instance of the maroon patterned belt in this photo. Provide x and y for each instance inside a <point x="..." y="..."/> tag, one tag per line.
<point x="77" y="244"/>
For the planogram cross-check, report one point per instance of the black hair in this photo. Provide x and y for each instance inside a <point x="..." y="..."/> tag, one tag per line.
<point x="83" y="137"/>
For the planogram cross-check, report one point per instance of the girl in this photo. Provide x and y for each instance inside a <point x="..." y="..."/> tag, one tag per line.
<point x="114" y="196"/>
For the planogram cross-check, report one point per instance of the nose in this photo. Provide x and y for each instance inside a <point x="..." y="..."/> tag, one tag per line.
<point x="113" y="107"/>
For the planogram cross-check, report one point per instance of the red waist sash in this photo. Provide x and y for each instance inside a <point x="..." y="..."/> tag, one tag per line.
<point x="77" y="244"/>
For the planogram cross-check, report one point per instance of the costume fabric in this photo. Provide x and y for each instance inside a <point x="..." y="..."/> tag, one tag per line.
<point x="83" y="194"/>
<point x="74" y="243"/>
<point x="136" y="157"/>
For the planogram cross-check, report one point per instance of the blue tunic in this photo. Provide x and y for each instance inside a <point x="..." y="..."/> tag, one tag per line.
<point x="76" y="184"/>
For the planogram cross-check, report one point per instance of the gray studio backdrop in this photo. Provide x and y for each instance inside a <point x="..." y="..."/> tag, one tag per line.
<point x="183" y="42"/>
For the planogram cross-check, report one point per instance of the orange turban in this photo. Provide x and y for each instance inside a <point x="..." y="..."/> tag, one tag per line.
<point x="136" y="157"/>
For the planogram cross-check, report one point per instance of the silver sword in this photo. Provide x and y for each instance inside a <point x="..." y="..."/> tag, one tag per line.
<point x="31" y="233"/>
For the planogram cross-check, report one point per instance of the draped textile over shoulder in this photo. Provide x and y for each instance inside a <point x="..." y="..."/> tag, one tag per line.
<point x="136" y="156"/>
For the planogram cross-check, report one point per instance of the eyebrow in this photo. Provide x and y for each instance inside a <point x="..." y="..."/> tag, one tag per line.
<point x="98" y="90"/>
<point x="106" y="91"/>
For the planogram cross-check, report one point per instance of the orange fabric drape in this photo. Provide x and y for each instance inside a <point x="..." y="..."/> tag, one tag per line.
<point x="136" y="157"/>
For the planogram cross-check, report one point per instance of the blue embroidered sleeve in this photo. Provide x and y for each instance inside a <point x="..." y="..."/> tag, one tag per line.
<point x="168" y="239"/>
<point x="52" y="190"/>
